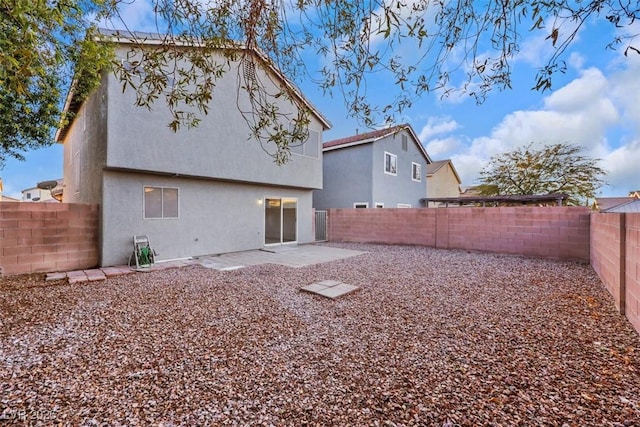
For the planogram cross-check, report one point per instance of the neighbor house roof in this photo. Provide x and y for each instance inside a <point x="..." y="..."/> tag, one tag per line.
<point x="439" y="164"/>
<point x="73" y="104"/>
<point x="632" y="206"/>
<point x="373" y="136"/>
<point x="517" y="199"/>
<point x="604" y="203"/>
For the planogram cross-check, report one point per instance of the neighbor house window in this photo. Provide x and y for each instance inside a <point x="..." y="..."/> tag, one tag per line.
<point x="361" y="205"/>
<point x="390" y="163"/>
<point x="403" y="205"/>
<point x="415" y="171"/>
<point x="160" y="202"/>
<point x="379" y="205"/>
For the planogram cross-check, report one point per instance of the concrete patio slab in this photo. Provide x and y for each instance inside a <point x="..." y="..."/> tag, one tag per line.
<point x="293" y="256"/>
<point x="289" y="256"/>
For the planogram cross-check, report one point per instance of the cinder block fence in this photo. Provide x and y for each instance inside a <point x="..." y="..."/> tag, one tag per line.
<point x="44" y="237"/>
<point x="615" y="256"/>
<point x="610" y="242"/>
<point x="550" y="232"/>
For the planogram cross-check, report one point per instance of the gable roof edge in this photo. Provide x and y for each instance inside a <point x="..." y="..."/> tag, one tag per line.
<point x="72" y="105"/>
<point x="378" y="135"/>
<point x="442" y="163"/>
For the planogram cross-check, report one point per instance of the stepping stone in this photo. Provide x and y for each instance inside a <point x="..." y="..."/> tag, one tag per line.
<point x="111" y="271"/>
<point x="77" y="278"/>
<point x="337" y="291"/>
<point x="55" y="276"/>
<point x="330" y="288"/>
<point x="95" y="275"/>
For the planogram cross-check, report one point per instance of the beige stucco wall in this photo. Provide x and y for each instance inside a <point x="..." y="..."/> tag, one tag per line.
<point x="442" y="184"/>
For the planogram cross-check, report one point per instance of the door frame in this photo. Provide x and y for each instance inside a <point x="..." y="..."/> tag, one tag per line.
<point x="264" y="219"/>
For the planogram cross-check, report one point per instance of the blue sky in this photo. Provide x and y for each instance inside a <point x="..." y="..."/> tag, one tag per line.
<point x="595" y="104"/>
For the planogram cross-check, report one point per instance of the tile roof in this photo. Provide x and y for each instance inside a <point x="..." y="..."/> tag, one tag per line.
<point x="437" y="164"/>
<point x="365" y="137"/>
<point x="368" y="137"/>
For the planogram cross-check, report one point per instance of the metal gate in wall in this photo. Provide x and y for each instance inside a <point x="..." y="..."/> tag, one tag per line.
<point x="321" y="226"/>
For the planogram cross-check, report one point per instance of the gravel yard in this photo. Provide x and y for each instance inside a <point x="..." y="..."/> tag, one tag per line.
<point x="432" y="338"/>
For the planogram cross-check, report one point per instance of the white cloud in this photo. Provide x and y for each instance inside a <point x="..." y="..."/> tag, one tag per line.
<point x="626" y="89"/>
<point x="437" y="126"/>
<point x="439" y="147"/>
<point x="137" y="15"/>
<point x="623" y="166"/>
<point x="576" y="60"/>
<point x="590" y="111"/>
<point x="538" y="48"/>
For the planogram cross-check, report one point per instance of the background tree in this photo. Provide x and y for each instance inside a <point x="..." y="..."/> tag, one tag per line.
<point x="558" y="168"/>
<point x="42" y="43"/>
<point x="425" y="46"/>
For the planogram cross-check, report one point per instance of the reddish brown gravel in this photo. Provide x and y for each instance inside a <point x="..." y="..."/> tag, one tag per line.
<point x="432" y="338"/>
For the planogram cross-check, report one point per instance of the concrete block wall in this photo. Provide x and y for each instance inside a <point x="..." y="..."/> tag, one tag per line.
<point x="391" y="226"/>
<point x="608" y="253"/>
<point x="550" y="232"/>
<point x="45" y="237"/>
<point x="632" y="269"/>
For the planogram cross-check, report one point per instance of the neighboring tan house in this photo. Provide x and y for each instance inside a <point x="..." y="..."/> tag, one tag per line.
<point x="380" y="169"/>
<point x="635" y="194"/>
<point x="442" y="181"/>
<point x="37" y="194"/>
<point x="205" y="190"/>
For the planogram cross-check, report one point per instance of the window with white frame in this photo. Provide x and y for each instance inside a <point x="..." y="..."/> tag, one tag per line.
<point x="379" y="205"/>
<point x="361" y="205"/>
<point x="160" y="202"/>
<point x="403" y="205"/>
<point x="390" y="163"/>
<point x="415" y="171"/>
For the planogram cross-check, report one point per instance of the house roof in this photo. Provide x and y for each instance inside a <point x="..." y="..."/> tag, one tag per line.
<point x="73" y="104"/>
<point x="632" y="206"/>
<point x="373" y="136"/>
<point x="434" y="167"/>
<point x="605" y="203"/>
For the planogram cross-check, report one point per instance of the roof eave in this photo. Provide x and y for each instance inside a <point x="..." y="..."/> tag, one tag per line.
<point x="117" y="38"/>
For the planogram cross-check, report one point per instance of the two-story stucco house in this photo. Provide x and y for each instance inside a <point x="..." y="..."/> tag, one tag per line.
<point x="379" y="169"/>
<point x="207" y="190"/>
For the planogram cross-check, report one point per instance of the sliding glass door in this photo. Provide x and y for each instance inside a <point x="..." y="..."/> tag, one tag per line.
<point x="280" y="220"/>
